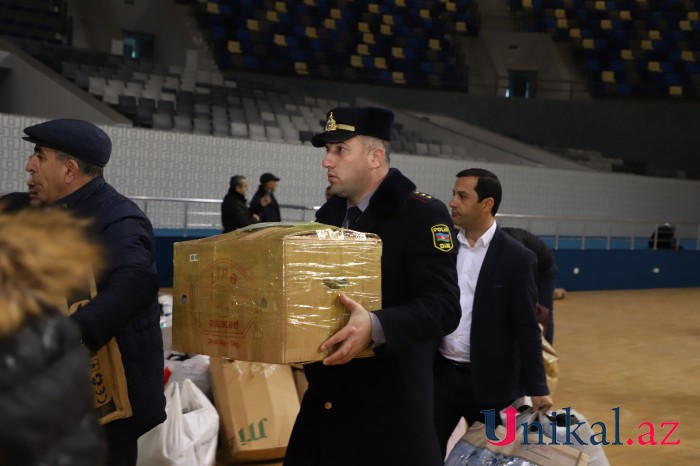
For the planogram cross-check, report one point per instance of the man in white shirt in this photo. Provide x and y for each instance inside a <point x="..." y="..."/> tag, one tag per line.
<point x="495" y="355"/>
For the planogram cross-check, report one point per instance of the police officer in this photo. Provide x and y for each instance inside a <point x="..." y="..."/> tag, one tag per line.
<point x="66" y="169"/>
<point x="378" y="410"/>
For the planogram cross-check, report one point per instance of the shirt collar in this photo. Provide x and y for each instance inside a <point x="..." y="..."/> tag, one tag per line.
<point x="364" y="203"/>
<point x="483" y="241"/>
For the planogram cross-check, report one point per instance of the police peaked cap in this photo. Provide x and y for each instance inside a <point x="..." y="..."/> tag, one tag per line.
<point x="345" y="122"/>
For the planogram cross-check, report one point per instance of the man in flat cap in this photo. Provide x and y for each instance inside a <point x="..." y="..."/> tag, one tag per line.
<point x="65" y="169"/>
<point x="264" y="204"/>
<point x="379" y="410"/>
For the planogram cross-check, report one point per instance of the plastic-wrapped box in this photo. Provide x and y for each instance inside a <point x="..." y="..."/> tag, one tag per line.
<point x="269" y="292"/>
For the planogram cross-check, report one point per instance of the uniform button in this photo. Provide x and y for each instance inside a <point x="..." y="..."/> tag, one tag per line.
<point x="328" y="405"/>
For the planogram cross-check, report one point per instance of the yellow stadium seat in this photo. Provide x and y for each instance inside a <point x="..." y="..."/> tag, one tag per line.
<point x="373" y="8"/>
<point x="252" y="25"/>
<point x="434" y="44"/>
<point x="560" y="13"/>
<point x="654" y="34"/>
<point x="654" y="66"/>
<point x="588" y="44"/>
<point x="311" y="32"/>
<point x="385" y="29"/>
<point x="335" y="13"/>
<point x="647" y="44"/>
<point x="450" y="6"/>
<point x="398" y="77"/>
<point x="461" y="26"/>
<point x="363" y="26"/>
<point x="356" y="61"/>
<point x="527" y="4"/>
<point x="309" y="3"/>
<point x="234" y="46"/>
<point x="606" y="24"/>
<point x="563" y="23"/>
<point x="685" y="25"/>
<point x="600" y="5"/>
<point x="213" y="8"/>
<point x="626" y="54"/>
<point x="400" y="3"/>
<point x="329" y="23"/>
<point x="388" y="19"/>
<point x="675" y="90"/>
<point x="363" y="49"/>
<point x="397" y="52"/>
<point x="425" y="14"/>
<point x="694" y="16"/>
<point x="575" y="33"/>
<point x="272" y="16"/>
<point x="688" y="55"/>
<point x="281" y="7"/>
<point x="380" y="63"/>
<point x="607" y="77"/>
<point x="301" y="68"/>
<point x="280" y="40"/>
<point x="625" y="15"/>
<point x="368" y="38"/>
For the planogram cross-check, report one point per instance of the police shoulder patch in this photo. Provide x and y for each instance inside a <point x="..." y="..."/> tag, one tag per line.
<point x="442" y="237"/>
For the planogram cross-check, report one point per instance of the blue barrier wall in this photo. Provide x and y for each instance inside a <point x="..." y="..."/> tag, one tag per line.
<point x="619" y="269"/>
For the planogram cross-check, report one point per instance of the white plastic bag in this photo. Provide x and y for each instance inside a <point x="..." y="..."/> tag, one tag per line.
<point x="188" y="436"/>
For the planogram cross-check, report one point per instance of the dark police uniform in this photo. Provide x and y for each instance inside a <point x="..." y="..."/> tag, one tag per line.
<point x="379" y="410"/>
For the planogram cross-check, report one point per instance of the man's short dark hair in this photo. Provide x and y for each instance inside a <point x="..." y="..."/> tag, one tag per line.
<point x="487" y="185"/>
<point x="236" y="180"/>
<point x="86" y="168"/>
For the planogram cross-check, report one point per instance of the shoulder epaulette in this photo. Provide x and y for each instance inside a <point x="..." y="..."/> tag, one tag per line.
<point x="423" y="195"/>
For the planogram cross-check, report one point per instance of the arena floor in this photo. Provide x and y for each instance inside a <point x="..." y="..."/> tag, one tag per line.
<point x="638" y="350"/>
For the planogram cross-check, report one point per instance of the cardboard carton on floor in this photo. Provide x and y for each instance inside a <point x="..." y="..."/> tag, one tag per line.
<point x="257" y="405"/>
<point x="269" y="292"/>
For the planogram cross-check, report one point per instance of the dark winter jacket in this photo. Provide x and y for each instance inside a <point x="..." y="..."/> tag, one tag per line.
<point x="234" y="212"/>
<point x="269" y="213"/>
<point x="126" y="305"/>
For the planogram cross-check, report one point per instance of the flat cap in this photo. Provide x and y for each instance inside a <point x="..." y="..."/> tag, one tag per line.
<point x="78" y="138"/>
<point x="265" y="177"/>
<point x="345" y="122"/>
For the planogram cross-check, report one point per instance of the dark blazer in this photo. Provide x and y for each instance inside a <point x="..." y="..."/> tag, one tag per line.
<point x="379" y="410"/>
<point x="126" y="305"/>
<point x="506" y="343"/>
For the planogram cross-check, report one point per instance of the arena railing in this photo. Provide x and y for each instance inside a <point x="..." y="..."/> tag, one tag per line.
<point x="200" y="217"/>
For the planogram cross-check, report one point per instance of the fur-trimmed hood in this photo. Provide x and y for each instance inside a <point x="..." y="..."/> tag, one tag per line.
<point x="44" y="255"/>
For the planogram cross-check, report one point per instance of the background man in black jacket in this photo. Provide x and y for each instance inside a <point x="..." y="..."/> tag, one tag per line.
<point x="65" y="169"/>
<point x="234" y="210"/>
<point x="264" y="204"/>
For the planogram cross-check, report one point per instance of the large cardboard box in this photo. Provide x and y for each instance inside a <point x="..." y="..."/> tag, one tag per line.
<point x="257" y="405"/>
<point x="269" y="292"/>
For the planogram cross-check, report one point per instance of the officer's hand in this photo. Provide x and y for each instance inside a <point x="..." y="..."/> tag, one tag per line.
<point x="541" y="403"/>
<point x="353" y="338"/>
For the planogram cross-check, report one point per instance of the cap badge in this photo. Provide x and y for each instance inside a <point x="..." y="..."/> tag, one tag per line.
<point x="330" y="124"/>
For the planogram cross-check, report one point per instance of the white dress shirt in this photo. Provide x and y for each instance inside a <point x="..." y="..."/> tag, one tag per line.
<point x="456" y="345"/>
